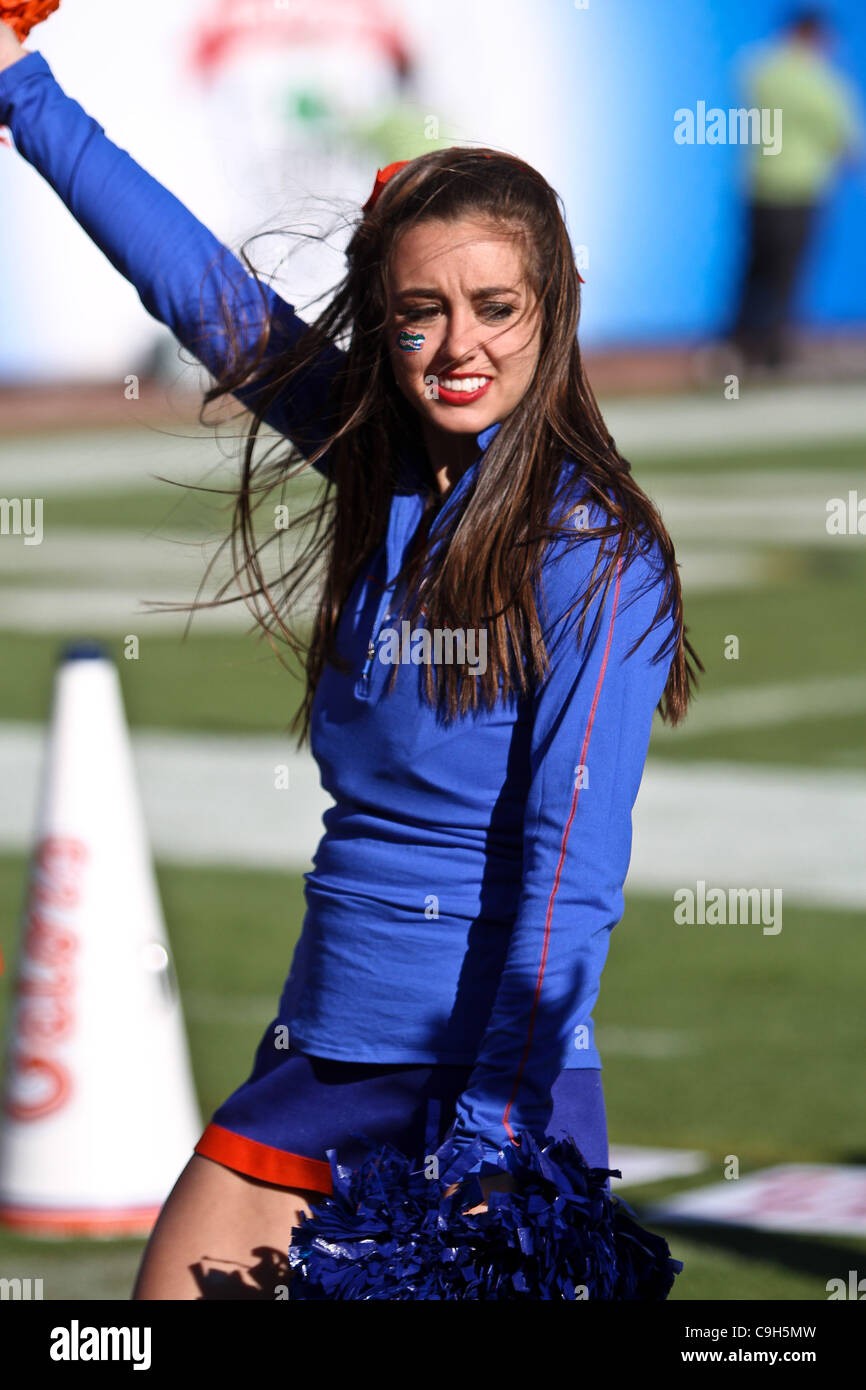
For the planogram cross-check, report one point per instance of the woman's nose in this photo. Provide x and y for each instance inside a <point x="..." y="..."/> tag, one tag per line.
<point x="462" y="336"/>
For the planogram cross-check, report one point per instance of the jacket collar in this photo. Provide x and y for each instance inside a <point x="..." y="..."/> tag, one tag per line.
<point x="484" y="438"/>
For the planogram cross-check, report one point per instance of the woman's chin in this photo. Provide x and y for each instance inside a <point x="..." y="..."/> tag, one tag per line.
<point x="467" y="419"/>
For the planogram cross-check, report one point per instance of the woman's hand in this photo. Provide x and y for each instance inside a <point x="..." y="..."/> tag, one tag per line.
<point x="493" y="1182"/>
<point x="10" y="48"/>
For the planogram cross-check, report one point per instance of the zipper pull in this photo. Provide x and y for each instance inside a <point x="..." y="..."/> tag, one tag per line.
<point x="365" y="673"/>
<point x="364" y="682"/>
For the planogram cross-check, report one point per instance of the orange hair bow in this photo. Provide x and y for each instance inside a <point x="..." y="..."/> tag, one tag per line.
<point x="383" y="175"/>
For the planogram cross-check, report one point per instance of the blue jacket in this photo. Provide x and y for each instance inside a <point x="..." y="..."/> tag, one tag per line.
<point x="464" y="891"/>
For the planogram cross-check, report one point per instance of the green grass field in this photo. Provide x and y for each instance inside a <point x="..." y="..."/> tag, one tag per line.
<point x="768" y="1062"/>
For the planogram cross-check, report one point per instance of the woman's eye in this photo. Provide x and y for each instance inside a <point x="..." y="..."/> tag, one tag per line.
<point x="491" y="311"/>
<point x="499" y="311"/>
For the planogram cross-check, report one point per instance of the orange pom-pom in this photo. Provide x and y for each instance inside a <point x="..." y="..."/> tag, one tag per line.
<point x="23" y="15"/>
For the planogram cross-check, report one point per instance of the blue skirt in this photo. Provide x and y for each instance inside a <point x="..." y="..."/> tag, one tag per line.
<point x="279" y="1125"/>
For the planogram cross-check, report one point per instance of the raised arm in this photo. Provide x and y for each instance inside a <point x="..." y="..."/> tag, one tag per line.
<point x="590" y="733"/>
<point x="184" y="276"/>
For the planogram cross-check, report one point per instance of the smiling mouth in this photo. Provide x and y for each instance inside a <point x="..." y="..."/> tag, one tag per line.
<point x="461" y="390"/>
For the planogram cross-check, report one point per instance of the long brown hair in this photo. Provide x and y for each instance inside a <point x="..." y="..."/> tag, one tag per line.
<point x="488" y="555"/>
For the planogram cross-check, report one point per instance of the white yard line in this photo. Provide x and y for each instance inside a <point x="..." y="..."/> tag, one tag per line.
<point x="213" y="800"/>
<point x="90" y="555"/>
<point x="207" y="799"/>
<point x="117" y="608"/>
<point x="767" y="705"/>
<point x="771" y="417"/>
<point x="725" y="531"/>
<point x="751" y="826"/>
<point x="111" y="460"/>
<point x="111" y="613"/>
<point x="120" y="460"/>
<point x="117" y="461"/>
<point x="765" y="483"/>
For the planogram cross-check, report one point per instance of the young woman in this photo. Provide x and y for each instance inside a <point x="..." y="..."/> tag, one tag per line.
<point x="499" y="618"/>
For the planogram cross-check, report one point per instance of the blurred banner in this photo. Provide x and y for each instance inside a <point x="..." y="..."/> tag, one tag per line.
<point x="261" y="117"/>
<point x="272" y="114"/>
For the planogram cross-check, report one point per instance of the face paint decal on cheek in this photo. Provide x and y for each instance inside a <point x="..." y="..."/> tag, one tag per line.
<point x="410" y="342"/>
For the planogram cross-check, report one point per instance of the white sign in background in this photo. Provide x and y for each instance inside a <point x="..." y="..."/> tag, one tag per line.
<point x="228" y="148"/>
<point x="808" y="1198"/>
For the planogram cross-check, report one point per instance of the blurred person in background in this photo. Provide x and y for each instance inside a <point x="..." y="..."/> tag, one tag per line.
<point x="786" y="191"/>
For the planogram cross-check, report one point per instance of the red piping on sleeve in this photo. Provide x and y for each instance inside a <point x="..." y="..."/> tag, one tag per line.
<point x="573" y="809"/>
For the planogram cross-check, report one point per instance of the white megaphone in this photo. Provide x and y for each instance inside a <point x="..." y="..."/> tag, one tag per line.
<point x="99" y="1113"/>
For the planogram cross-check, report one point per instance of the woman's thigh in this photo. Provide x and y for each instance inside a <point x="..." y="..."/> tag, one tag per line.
<point x="221" y="1235"/>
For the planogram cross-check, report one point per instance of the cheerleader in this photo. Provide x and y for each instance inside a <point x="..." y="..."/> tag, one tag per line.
<point x="499" y="618"/>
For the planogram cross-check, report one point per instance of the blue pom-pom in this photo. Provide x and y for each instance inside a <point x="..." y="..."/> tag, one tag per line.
<point x="389" y="1232"/>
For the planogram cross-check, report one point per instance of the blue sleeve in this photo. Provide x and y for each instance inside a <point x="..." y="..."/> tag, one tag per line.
<point x="591" y="720"/>
<point x="184" y="276"/>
